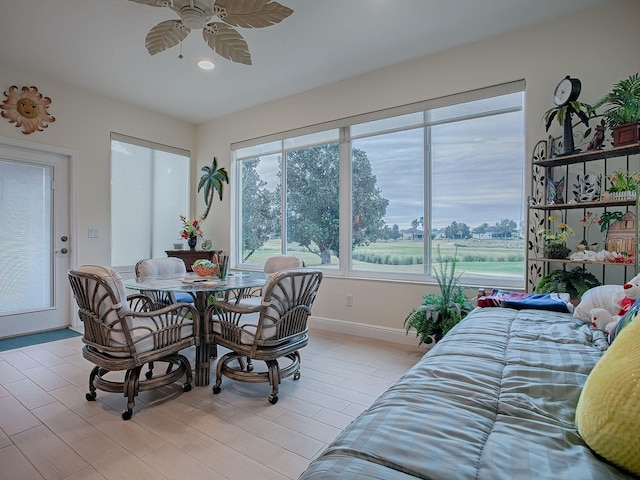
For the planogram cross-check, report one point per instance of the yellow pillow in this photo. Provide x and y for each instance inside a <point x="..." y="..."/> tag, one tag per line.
<point x="608" y="412"/>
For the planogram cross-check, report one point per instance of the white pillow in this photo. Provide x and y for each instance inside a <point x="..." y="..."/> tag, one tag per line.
<point x="597" y="297"/>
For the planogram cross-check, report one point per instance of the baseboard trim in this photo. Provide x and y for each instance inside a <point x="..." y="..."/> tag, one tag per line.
<point x="387" y="334"/>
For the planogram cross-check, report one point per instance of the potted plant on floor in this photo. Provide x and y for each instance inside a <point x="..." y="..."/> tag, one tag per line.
<point x="439" y="313"/>
<point x="622" y="115"/>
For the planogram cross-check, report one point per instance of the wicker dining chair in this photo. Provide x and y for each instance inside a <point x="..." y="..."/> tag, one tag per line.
<point x="252" y="296"/>
<point x="124" y="333"/>
<point x="272" y="330"/>
<point x="154" y="267"/>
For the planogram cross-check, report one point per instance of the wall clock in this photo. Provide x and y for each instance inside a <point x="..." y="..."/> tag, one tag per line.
<point x="567" y="91"/>
<point x="27" y="109"/>
<point x="565" y="96"/>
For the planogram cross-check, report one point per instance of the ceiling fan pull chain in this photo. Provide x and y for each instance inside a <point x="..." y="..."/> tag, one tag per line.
<point x="181" y="37"/>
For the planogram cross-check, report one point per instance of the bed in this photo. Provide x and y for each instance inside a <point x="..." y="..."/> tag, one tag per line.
<point x="495" y="399"/>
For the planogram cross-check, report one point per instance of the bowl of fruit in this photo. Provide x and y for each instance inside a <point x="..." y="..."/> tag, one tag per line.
<point x="205" y="268"/>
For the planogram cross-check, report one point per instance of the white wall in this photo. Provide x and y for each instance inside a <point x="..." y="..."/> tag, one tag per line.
<point x="591" y="46"/>
<point x="83" y="124"/>
<point x="599" y="46"/>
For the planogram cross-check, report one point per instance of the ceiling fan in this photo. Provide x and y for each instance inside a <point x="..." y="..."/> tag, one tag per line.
<point x="222" y="38"/>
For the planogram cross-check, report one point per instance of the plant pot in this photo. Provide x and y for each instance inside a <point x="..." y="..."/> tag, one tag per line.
<point x="626" y="134"/>
<point x="626" y="195"/>
<point x="429" y="344"/>
<point x="556" y="251"/>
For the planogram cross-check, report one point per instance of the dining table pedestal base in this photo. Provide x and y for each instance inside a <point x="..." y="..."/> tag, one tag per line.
<point x="200" y="289"/>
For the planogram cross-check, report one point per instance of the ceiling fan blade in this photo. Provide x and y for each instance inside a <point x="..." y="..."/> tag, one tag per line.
<point x="227" y="42"/>
<point x="165" y="35"/>
<point x="253" y="13"/>
<point x="151" y="3"/>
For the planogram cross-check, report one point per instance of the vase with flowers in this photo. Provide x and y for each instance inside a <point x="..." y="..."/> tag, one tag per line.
<point x="555" y="237"/>
<point x="623" y="185"/>
<point x="190" y="231"/>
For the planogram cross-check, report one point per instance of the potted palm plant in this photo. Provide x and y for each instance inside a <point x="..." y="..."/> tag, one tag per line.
<point x="439" y="313"/>
<point x="622" y="115"/>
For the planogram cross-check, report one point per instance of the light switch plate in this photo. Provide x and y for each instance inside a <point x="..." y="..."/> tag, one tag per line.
<point x="94" y="232"/>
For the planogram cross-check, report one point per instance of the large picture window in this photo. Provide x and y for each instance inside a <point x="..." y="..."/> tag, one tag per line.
<point x="149" y="192"/>
<point x="388" y="196"/>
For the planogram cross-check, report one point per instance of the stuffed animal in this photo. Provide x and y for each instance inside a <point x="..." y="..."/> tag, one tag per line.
<point x="628" y="295"/>
<point x="605" y="320"/>
<point x="610" y="297"/>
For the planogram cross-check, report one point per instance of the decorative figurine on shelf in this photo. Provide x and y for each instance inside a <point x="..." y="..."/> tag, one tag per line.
<point x="588" y="189"/>
<point x="598" y="138"/>
<point x="555" y="191"/>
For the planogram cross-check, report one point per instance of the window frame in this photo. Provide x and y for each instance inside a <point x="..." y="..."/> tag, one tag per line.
<point x="345" y="268"/>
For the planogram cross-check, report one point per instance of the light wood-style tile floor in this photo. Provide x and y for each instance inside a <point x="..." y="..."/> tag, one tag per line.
<point x="49" y="431"/>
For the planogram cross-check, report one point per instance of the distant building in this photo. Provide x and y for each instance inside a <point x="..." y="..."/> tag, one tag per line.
<point x="412" y="234"/>
<point x="491" y="233"/>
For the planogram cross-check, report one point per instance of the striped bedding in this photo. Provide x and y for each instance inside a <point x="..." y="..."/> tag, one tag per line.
<point x="495" y="399"/>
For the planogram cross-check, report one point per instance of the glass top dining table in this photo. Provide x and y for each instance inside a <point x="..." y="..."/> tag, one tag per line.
<point x="201" y="288"/>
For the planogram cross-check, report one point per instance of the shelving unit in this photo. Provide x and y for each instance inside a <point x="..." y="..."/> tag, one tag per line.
<point x="592" y="162"/>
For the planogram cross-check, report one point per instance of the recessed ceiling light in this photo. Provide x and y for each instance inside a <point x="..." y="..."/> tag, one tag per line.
<point x="206" y="65"/>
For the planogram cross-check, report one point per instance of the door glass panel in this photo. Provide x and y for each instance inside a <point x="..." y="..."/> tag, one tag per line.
<point x="25" y="230"/>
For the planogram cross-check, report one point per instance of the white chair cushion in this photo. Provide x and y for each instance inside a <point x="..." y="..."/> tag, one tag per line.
<point x="152" y="267"/>
<point x="249" y="326"/>
<point x="250" y="302"/>
<point x="281" y="262"/>
<point x="143" y="327"/>
<point x="114" y="280"/>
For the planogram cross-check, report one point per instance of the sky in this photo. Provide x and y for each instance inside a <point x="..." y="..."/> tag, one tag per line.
<point x="475" y="162"/>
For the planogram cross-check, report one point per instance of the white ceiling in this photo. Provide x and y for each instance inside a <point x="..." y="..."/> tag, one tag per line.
<point x="98" y="45"/>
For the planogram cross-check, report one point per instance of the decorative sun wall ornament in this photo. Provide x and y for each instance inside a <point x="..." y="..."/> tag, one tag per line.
<point x="219" y="36"/>
<point x="27" y="109"/>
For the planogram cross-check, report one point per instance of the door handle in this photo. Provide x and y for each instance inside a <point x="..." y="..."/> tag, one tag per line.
<point x="64" y="251"/>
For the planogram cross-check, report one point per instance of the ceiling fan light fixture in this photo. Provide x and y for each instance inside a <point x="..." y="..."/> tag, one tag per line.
<point x="193" y="17"/>
<point x="206" y="65"/>
<point x="220" y="36"/>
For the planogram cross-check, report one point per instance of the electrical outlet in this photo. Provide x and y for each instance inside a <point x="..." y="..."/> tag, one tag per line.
<point x="349" y="300"/>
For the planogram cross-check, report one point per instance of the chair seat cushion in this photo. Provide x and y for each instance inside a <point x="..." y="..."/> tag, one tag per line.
<point x="183" y="297"/>
<point x="250" y="301"/>
<point x="249" y="326"/>
<point x="141" y="333"/>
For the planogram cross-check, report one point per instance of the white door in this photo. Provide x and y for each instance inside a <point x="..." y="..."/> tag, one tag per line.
<point x="34" y="239"/>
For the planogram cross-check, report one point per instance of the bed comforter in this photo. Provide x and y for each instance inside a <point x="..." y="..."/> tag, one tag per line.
<point x="495" y="399"/>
